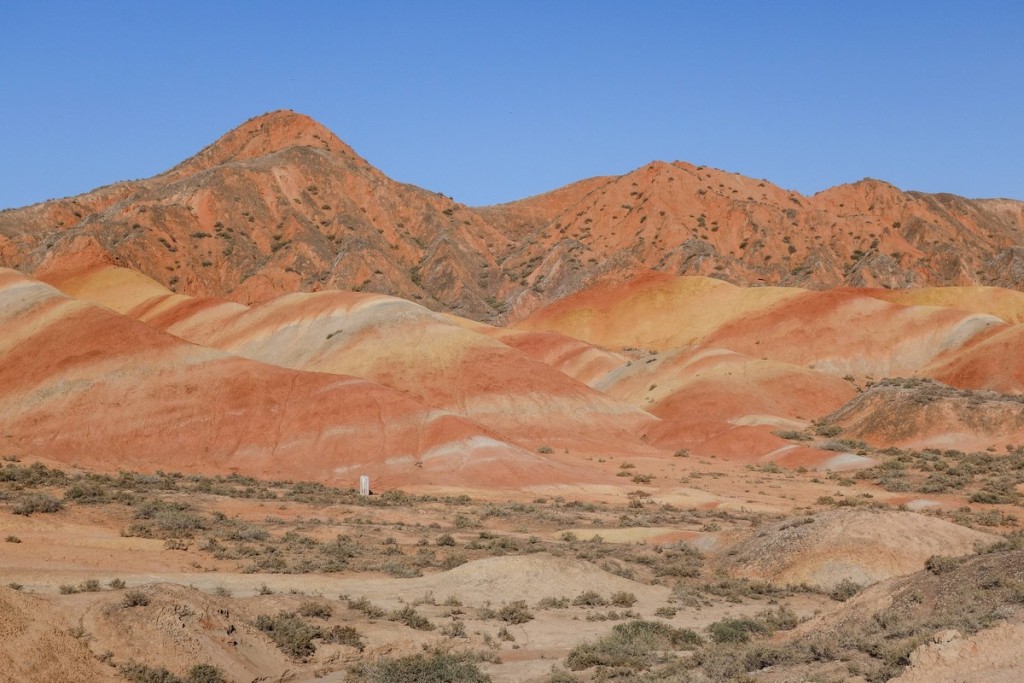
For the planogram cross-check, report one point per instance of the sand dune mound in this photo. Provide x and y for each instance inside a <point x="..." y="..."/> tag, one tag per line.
<point x="531" y="577"/>
<point x="38" y="645"/>
<point x="990" y="656"/>
<point x="863" y="546"/>
<point x="918" y="413"/>
<point x="180" y="627"/>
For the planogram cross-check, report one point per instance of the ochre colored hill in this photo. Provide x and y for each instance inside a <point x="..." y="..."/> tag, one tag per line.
<point x="281" y="205"/>
<point x="81" y="383"/>
<point x="837" y="332"/>
<point x="995" y="363"/>
<point x="1005" y="304"/>
<point x="392" y="342"/>
<point x="926" y="414"/>
<point x="863" y="546"/>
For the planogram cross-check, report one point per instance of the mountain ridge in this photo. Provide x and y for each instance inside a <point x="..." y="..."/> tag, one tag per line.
<point x="281" y="204"/>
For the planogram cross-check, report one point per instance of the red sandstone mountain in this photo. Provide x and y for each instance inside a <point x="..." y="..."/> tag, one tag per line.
<point x="280" y="205"/>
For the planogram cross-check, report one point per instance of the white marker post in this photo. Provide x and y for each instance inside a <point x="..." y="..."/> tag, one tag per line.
<point x="364" y="485"/>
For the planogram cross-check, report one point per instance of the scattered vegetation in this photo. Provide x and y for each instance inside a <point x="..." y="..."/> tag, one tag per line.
<point x="436" y="666"/>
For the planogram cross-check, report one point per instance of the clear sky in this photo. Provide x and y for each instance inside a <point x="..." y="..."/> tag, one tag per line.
<point x="492" y="101"/>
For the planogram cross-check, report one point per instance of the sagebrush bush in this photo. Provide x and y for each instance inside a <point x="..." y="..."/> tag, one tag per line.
<point x="312" y="608"/>
<point x="632" y="645"/>
<point x="135" y="598"/>
<point x="515" y="612"/>
<point x="30" y="503"/>
<point x="434" y="667"/>
<point x="589" y="599"/>
<point x="290" y="633"/>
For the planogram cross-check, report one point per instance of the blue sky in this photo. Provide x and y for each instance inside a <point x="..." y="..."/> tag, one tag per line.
<point x="494" y="101"/>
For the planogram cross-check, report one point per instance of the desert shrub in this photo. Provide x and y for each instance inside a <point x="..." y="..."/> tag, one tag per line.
<point x="116" y="584"/>
<point x="364" y="605"/>
<point x="12" y="539"/>
<point x="622" y="599"/>
<point x="30" y="503"/>
<point x="87" y="493"/>
<point x="828" y="430"/>
<point x="200" y="673"/>
<point x="842" y="445"/>
<point x="205" y="673"/>
<point x="344" y="635"/>
<point x="90" y="586"/>
<point x="940" y="564"/>
<point x="68" y="589"/>
<point x="140" y="673"/>
<point x="290" y="633"/>
<point x="844" y="590"/>
<point x="515" y="613"/>
<point x="454" y="629"/>
<point x="320" y="610"/>
<point x="792" y="435"/>
<point x="634" y="645"/>
<point x="780" y="619"/>
<point x="445" y="540"/>
<point x="735" y="630"/>
<point x="553" y="603"/>
<point x="433" y="667"/>
<point x="589" y="599"/>
<point x="411" y="618"/>
<point x="135" y="598"/>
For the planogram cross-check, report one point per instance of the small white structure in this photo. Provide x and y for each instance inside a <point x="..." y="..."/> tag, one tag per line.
<point x="364" y="485"/>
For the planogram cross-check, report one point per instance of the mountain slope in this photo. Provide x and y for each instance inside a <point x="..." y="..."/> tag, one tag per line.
<point x="281" y="205"/>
